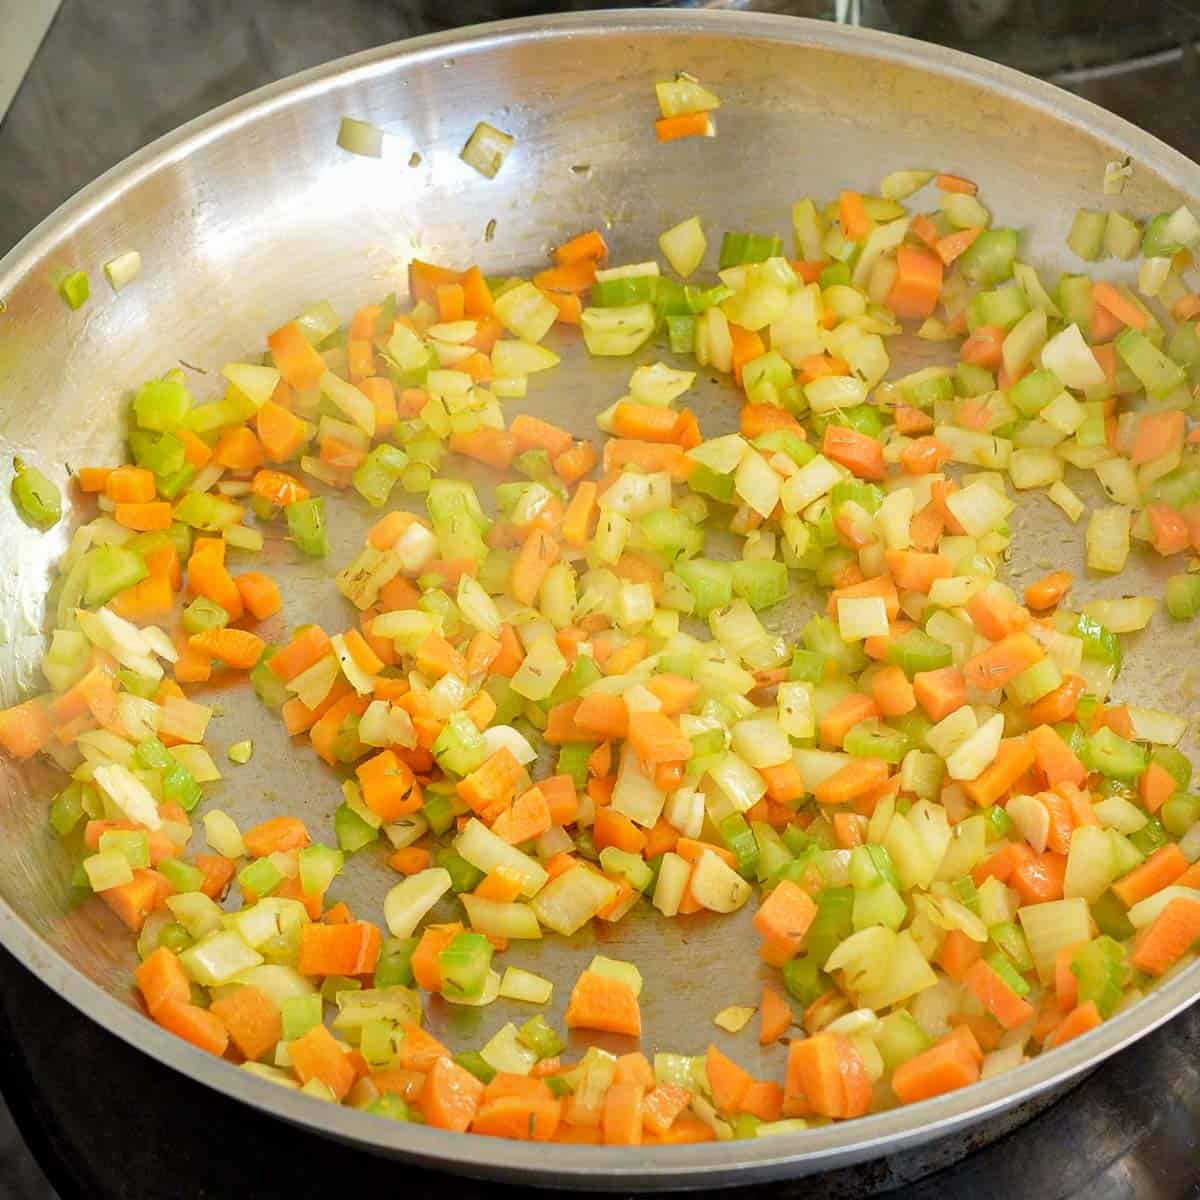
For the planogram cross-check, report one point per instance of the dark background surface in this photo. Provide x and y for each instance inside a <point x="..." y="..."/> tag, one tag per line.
<point x="102" y="1119"/>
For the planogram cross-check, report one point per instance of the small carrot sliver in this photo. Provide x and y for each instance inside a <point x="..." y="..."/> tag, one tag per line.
<point x="775" y="1015"/>
<point x="670" y="129"/>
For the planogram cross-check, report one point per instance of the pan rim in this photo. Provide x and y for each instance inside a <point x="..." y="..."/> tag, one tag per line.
<point x="595" y="1167"/>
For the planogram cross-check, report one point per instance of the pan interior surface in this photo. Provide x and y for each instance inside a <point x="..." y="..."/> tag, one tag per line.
<point x="247" y="216"/>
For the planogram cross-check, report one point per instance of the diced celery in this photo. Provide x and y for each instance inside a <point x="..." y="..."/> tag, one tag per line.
<point x="989" y="259"/>
<point x="1087" y="234"/>
<point x="306" y="525"/>
<point x="1183" y="596"/>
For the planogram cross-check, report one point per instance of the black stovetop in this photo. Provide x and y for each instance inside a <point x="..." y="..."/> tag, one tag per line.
<point x="104" y="1121"/>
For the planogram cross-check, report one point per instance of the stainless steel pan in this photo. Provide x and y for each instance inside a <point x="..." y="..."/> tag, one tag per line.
<point x="245" y="215"/>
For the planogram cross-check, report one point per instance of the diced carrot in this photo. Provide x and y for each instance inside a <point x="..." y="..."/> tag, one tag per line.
<point x="218" y="874"/>
<point x="410" y="860"/>
<point x="764" y="1100"/>
<point x="1121" y="307"/>
<point x="942" y="1068"/>
<point x="983" y="347"/>
<point x="1083" y="1019"/>
<point x="955" y="244"/>
<point x="511" y="655"/>
<point x="785" y="915"/>
<point x="918" y="283"/>
<point x="451" y="1096"/>
<point x="958" y="954"/>
<point x="852" y="216"/>
<point x="671" y="129"/>
<point x="239" y="449"/>
<point x="276" y="835"/>
<point x="196" y="1025"/>
<point x="662" y="1105"/>
<point x="237" y="648"/>
<point x="956" y="183"/>
<point x="1162" y="943"/>
<point x="527" y="817"/>
<point x="161" y="980"/>
<point x="775" y="1014"/>
<point x="538" y="554"/>
<point x="1055" y="759"/>
<point x="297" y="360"/>
<point x="208" y="577"/>
<point x="494" y="447"/>
<point x="1156" y="786"/>
<point x="1060" y="704"/>
<point x="419" y="1049"/>
<point x="995" y="994"/>
<point x="93" y="479"/>
<point x="532" y="433"/>
<point x="317" y="1055"/>
<point x="924" y="456"/>
<point x="893" y="694"/>
<point x="859" y="453"/>
<point x="1169" y="531"/>
<point x="621" y="1120"/>
<point x="855" y="779"/>
<point x="1040" y="879"/>
<point x="657" y="738"/>
<point x="1015" y="756"/>
<point x="606" y="1004"/>
<point x="995" y="616"/>
<point x="881" y="586"/>
<point x="1001" y="663"/>
<point x="134" y="901"/>
<point x="389" y="787"/>
<point x="587" y="247"/>
<point x="351" y="949"/>
<point x="603" y="715"/>
<point x="747" y="346"/>
<point x="527" y="1111"/>
<point x="784" y="782"/>
<point x="648" y="456"/>
<point x="252" y="1019"/>
<point x="615" y="829"/>
<point x="843" y="716"/>
<point x="1049" y="591"/>
<point x="130" y="485"/>
<point x="727" y="1081"/>
<point x="147" y="517"/>
<point x="437" y="657"/>
<point x="916" y="571"/>
<point x="1160" y="870"/>
<point x="278" y="487"/>
<point x="451" y="302"/>
<point x="25" y="728"/>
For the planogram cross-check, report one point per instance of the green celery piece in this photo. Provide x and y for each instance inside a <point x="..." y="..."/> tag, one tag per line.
<point x="1010" y="940"/>
<point x="378" y="473"/>
<point x="180" y="787"/>
<point x="174" y="937"/>
<point x="804" y="979"/>
<point x="463" y="876"/>
<point x="737" y="836"/>
<point x="707" y="482"/>
<point x="301" y="1015"/>
<point x="394" y="967"/>
<point x="915" y="651"/>
<point x="832" y="924"/>
<point x="75" y="288"/>
<point x="261" y="877"/>
<point x="67" y="810"/>
<point x="111" y="569"/>
<point x="162" y="405"/>
<point x="739" y="248"/>
<point x="807" y="666"/>
<point x="628" y="289"/>
<point x="473" y="1061"/>
<point x="352" y="832"/>
<point x="306" y="525"/>
<point x="464" y="965"/>
<point x="391" y="1107"/>
<point x="540" y="1037"/>
<point x="1183" y="596"/>
<point x="460" y="748"/>
<point x="1110" y="916"/>
<point x="268" y="687"/>
<point x="1101" y="970"/>
<point x="37" y="497"/>
<point x="671" y="534"/>
<point x="319" y="867"/>
<point x="760" y="582"/>
<point x="438" y="810"/>
<point x="183" y="877"/>
<point x="681" y="333"/>
<point x="872" y="739"/>
<point x="162" y="453"/>
<point x="786" y="441"/>
<point x="989" y="259"/>
<point x="1000" y="963"/>
<point x="204" y="614"/>
<point x="1180" y="813"/>
<point x="1150" y="837"/>
<point x="1114" y="756"/>
<point x="821" y="634"/>
<point x="710" y="583"/>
